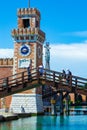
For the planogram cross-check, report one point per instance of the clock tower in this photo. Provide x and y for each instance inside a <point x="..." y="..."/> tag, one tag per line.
<point x="28" y="49"/>
<point x="28" y="40"/>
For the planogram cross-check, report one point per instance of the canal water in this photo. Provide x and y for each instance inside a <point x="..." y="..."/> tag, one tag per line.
<point x="75" y="122"/>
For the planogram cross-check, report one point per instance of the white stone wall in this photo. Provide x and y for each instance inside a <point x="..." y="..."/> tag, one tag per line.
<point x="32" y="103"/>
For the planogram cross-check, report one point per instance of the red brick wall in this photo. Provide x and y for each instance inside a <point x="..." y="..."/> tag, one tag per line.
<point x="8" y="101"/>
<point x="6" y="71"/>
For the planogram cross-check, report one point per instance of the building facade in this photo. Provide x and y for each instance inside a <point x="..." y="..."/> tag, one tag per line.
<point x="28" y="51"/>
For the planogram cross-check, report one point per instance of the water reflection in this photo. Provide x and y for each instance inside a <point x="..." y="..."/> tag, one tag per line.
<point x="6" y="126"/>
<point x="64" y="122"/>
<point x="32" y="123"/>
<point x="47" y="123"/>
<point x="61" y="120"/>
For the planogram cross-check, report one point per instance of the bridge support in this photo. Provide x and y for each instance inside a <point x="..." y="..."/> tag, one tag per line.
<point x="53" y="107"/>
<point x="75" y="97"/>
<point x="67" y="105"/>
<point x="61" y="104"/>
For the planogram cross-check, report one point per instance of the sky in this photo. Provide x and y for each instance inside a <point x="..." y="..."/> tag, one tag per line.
<point x="65" y="25"/>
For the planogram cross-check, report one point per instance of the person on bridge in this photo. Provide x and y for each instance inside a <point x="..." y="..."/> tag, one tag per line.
<point x="41" y="70"/>
<point x="68" y="76"/>
<point x="63" y="76"/>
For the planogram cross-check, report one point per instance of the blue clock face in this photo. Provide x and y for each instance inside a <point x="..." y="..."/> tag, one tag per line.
<point x="24" y="50"/>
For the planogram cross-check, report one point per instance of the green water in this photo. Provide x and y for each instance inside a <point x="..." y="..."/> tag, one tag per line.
<point x="76" y="122"/>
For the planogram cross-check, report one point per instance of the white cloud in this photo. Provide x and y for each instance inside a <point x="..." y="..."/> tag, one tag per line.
<point x="71" y="51"/>
<point x="6" y="53"/>
<point x="78" y="33"/>
<point x="69" y="56"/>
<point x="63" y="56"/>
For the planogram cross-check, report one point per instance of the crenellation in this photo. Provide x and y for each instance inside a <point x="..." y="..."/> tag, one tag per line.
<point x="27" y="31"/>
<point x="21" y="31"/>
<point x="6" y="61"/>
<point x="28" y="11"/>
<point x="22" y="11"/>
<point x="1" y="61"/>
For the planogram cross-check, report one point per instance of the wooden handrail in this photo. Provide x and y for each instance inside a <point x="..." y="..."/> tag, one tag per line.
<point x="52" y="75"/>
<point x="49" y="75"/>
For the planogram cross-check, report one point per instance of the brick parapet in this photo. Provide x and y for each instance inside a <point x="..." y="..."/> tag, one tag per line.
<point x="28" y="11"/>
<point x="27" y="32"/>
<point x="6" y="71"/>
<point x="6" y="62"/>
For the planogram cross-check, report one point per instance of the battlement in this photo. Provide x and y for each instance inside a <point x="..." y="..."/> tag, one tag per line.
<point x="28" y="11"/>
<point x="6" y="62"/>
<point x="27" y="31"/>
<point x="29" y="34"/>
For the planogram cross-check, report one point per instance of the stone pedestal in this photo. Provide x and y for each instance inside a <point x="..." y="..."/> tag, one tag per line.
<point x="28" y="103"/>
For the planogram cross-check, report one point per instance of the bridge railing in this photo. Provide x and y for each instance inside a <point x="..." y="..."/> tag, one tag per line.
<point x="74" y="81"/>
<point x="51" y="76"/>
<point x="79" y="82"/>
<point x="17" y="79"/>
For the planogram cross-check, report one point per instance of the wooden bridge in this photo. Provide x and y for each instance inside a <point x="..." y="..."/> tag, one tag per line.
<point x="21" y="82"/>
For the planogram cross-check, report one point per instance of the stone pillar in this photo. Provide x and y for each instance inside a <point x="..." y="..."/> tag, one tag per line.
<point x="61" y="104"/>
<point x="31" y="103"/>
<point x="53" y="106"/>
<point x="75" y="97"/>
<point x="67" y="105"/>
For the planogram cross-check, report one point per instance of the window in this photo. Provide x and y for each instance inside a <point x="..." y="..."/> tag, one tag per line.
<point x="26" y="23"/>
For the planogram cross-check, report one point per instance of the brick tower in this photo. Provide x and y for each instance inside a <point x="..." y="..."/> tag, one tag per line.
<point x="28" y="48"/>
<point x="28" y="40"/>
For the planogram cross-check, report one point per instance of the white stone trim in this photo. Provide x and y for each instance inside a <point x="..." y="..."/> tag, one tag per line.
<point x="32" y="103"/>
